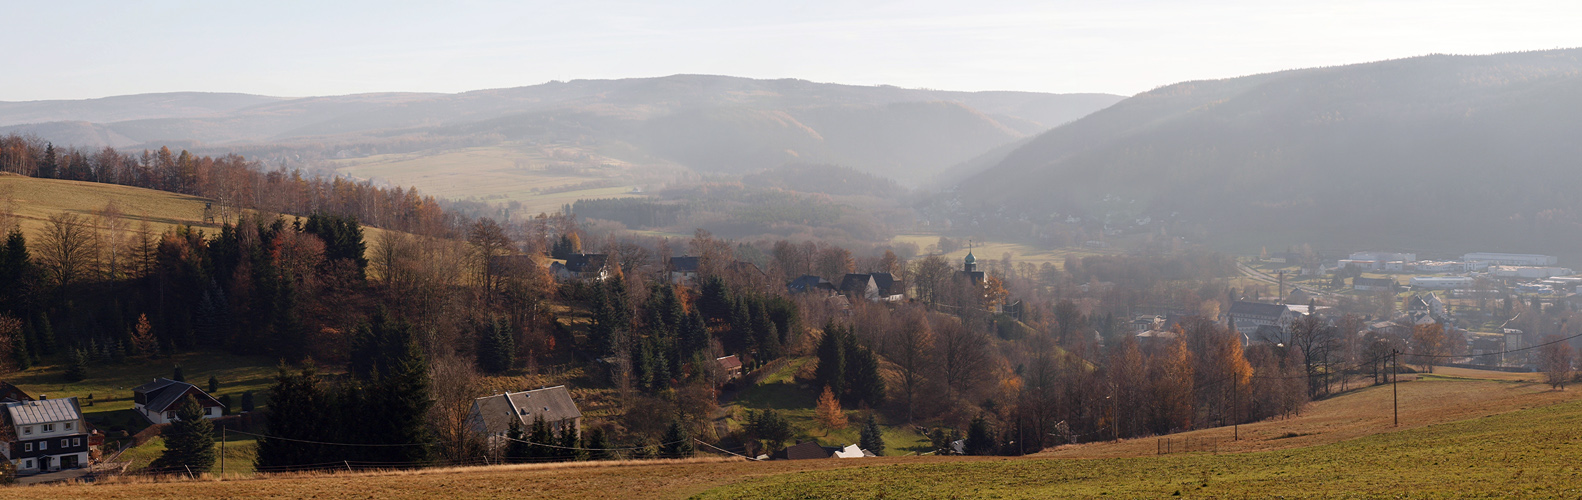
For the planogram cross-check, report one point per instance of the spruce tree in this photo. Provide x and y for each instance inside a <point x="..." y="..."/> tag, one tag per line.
<point x="570" y="443"/>
<point x="872" y="436"/>
<point x="597" y="445"/>
<point x="247" y="401"/>
<point x="178" y="375"/>
<point x="496" y="347"/>
<point x="46" y="334"/>
<point x="677" y="442"/>
<point x="20" y="350"/>
<point x="980" y="439"/>
<point x="189" y="442"/>
<point x="402" y="401"/>
<point x="515" y="449"/>
<point x="866" y="383"/>
<point x="540" y="436"/>
<point x="214" y="385"/>
<point x="831" y="370"/>
<point x="297" y="411"/>
<point x="77" y="369"/>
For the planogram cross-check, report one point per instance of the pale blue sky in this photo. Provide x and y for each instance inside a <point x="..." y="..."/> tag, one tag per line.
<point x="69" y="50"/>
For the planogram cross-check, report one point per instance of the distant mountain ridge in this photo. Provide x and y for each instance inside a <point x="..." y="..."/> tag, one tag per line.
<point x="712" y="123"/>
<point x="1435" y="153"/>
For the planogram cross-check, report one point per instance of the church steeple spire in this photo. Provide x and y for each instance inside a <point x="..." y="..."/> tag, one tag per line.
<point x="971" y="262"/>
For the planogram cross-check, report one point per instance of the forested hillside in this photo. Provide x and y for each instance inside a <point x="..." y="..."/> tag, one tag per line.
<point x="709" y="123"/>
<point x="1441" y="153"/>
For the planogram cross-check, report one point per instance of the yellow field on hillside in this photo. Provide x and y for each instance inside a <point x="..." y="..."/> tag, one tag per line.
<point x="503" y="173"/>
<point x="35" y="200"/>
<point x="992" y="250"/>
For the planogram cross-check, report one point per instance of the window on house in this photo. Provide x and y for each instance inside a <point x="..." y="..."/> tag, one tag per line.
<point x="49" y="428"/>
<point x="27" y="464"/>
<point x="68" y="426"/>
<point x="27" y="447"/>
<point x="27" y="430"/>
<point x="65" y="443"/>
<point x="76" y="442"/>
<point x="43" y="445"/>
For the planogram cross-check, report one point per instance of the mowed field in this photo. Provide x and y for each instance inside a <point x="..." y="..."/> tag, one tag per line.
<point x="991" y="250"/>
<point x="34" y="201"/>
<point x="1460" y="436"/>
<point x="505" y="173"/>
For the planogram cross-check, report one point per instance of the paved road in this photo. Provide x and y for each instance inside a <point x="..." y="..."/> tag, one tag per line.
<point x="53" y="477"/>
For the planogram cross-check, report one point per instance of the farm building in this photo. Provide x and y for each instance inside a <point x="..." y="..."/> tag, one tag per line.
<point x="156" y="401"/>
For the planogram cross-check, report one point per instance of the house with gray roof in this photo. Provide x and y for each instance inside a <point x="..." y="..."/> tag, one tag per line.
<point x="491" y="416"/>
<point x="45" y="435"/>
<point x="1250" y="317"/>
<point x="156" y="401"/>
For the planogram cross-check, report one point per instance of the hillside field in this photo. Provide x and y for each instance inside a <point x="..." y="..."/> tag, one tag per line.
<point x="992" y="250"/>
<point x="540" y="178"/>
<point x="1461" y="436"/>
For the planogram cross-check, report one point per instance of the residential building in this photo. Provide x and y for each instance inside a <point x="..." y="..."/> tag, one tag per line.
<point x="806" y="450"/>
<point x="11" y="394"/>
<point x="582" y="266"/>
<point x="810" y="283"/>
<point x="156" y="401"/>
<point x="731" y="366"/>
<point x="44" y="436"/>
<point x="684" y="270"/>
<point x="491" y="416"/>
<point x="1250" y="316"/>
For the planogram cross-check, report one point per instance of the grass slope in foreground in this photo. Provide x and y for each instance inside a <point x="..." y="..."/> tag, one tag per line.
<point x="1521" y="454"/>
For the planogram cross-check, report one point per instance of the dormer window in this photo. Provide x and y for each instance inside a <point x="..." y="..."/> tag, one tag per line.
<point x="27" y="430"/>
<point x="68" y="426"/>
<point x="49" y="428"/>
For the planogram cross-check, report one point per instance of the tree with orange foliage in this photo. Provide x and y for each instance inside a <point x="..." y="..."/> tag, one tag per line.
<point x="829" y="413"/>
<point x="1170" y="379"/>
<point x="1429" y="342"/>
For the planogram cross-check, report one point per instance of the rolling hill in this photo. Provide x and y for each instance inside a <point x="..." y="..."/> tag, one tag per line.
<point x="706" y="123"/>
<point x="1438" y="154"/>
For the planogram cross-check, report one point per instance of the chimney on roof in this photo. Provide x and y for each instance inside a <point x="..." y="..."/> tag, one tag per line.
<point x="42" y="397"/>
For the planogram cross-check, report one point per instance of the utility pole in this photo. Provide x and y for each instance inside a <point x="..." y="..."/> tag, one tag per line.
<point x="222" y="450"/>
<point x="1395" y="382"/>
<point x="1235" y="407"/>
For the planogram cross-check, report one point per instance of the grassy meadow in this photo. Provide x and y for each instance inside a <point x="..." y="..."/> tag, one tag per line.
<point x="502" y="173"/>
<point x="992" y="250"/>
<point x="34" y="201"/>
<point x="1461" y="435"/>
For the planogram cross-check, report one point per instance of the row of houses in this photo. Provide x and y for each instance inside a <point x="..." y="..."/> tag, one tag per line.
<point x="46" y="435"/>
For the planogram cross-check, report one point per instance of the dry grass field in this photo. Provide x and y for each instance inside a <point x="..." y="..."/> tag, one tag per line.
<point x="990" y="250"/>
<point x="538" y="177"/>
<point x="1460" y="436"/>
<point x="35" y="200"/>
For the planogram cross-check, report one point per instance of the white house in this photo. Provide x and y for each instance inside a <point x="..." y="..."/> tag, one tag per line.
<point x="156" y="401"/>
<point x="46" y="435"/>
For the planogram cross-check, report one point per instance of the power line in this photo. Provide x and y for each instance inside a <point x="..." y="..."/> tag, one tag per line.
<point x="265" y="436"/>
<point x="590" y="449"/>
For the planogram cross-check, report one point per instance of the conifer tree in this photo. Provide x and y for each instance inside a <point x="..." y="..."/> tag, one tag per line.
<point x="597" y="445"/>
<point x="402" y="401"/>
<point x="571" y="443"/>
<point x="46" y="334"/>
<point x="178" y="375"/>
<point x="677" y="442"/>
<point x="538" y="437"/>
<point x="214" y="385"/>
<point x="872" y="436"/>
<point x="78" y="368"/>
<point x="189" y="442"/>
<point x="247" y="401"/>
<point x="496" y="347"/>
<point x="831" y="370"/>
<point x="515" y="447"/>
<point x="21" y="352"/>
<point x="297" y="413"/>
<point x="980" y="439"/>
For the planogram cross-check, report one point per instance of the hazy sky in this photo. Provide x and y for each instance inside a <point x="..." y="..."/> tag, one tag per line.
<point x="69" y="50"/>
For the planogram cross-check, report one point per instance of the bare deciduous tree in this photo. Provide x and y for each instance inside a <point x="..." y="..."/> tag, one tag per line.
<point x="66" y="250"/>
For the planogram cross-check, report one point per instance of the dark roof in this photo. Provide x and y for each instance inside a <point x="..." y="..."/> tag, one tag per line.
<point x="1257" y="310"/>
<point x="10" y="392"/>
<point x="684" y="264"/>
<point x="809" y="282"/>
<point x="747" y="268"/>
<point x="729" y="362"/>
<point x="804" y="451"/>
<point x="855" y="283"/>
<point x="1380" y="282"/>
<point x="585" y="262"/>
<point x="888" y="285"/>
<point x="498" y="411"/>
<point x="163" y="392"/>
<point x="503" y="264"/>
